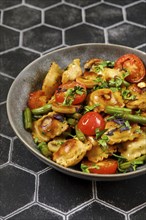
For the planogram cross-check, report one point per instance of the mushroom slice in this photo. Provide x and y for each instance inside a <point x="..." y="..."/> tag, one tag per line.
<point x="71" y="152"/>
<point x="105" y="97"/>
<point x="48" y="127"/>
<point x="133" y="149"/>
<point x="73" y="71"/>
<point x="52" y="80"/>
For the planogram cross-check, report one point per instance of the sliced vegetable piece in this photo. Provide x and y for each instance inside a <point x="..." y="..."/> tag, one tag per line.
<point x="107" y="166"/>
<point x="36" y="99"/>
<point x="133" y="65"/>
<point x="70" y="93"/>
<point x="89" y="122"/>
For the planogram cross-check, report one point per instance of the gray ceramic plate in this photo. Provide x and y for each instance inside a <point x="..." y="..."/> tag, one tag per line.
<point x="30" y="78"/>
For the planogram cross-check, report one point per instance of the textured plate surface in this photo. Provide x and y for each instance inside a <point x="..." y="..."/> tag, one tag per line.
<point x="32" y="76"/>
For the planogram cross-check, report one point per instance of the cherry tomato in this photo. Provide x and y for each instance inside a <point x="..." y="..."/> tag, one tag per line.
<point x="76" y="95"/>
<point x="89" y="122"/>
<point x="106" y="166"/>
<point x="133" y="65"/>
<point x="37" y="99"/>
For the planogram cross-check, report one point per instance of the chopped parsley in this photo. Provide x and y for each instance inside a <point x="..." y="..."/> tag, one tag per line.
<point x="100" y="67"/>
<point x="70" y="94"/>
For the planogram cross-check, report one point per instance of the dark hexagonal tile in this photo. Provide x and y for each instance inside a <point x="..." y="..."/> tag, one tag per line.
<point x="5" y="127"/>
<point x="78" y="191"/>
<point x="123" y="34"/>
<point x="23" y="157"/>
<point x="139" y="215"/>
<point x="17" y="189"/>
<point x="42" y="4"/>
<point x="9" y="38"/>
<point x="82" y="3"/>
<point x="138" y="9"/>
<point x="5" y="84"/>
<point x="36" y="213"/>
<point x="114" y="195"/>
<point x="4" y="152"/>
<point x="16" y="60"/>
<point x="84" y="34"/>
<point x="93" y="210"/>
<point x="121" y="2"/>
<point x="42" y="38"/>
<point x="58" y="16"/>
<point x="9" y="3"/>
<point x="104" y="15"/>
<point x="22" y="17"/>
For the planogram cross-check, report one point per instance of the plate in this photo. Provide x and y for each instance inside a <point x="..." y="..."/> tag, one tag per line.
<point x="32" y="76"/>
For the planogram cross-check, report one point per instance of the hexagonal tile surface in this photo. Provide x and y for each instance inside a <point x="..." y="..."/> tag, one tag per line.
<point x="138" y="9"/>
<point x="5" y="84"/>
<point x="42" y="4"/>
<point x="78" y="191"/>
<point x="83" y="34"/>
<point x="123" y="2"/>
<point x="20" y="153"/>
<point x="22" y="17"/>
<point x="112" y="195"/>
<point x="39" y="212"/>
<point x="110" y="16"/>
<point x="9" y="37"/>
<point x="4" y="152"/>
<point x="82" y="3"/>
<point x="94" y="210"/>
<point x="9" y="3"/>
<point x="123" y="34"/>
<point x="58" y="16"/>
<point x="15" y="181"/>
<point x="5" y="127"/>
<point x="42" y="38"/>
<point x="139" y="215"/>
<point x="16" y="60"/>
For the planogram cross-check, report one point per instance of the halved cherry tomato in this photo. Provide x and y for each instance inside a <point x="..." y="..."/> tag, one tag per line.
<point x="37" y="99"/>
<point x="89" y="122"/>
<point x="77" y="95"/>
<point x="133" y="65"/>
<point x="106" y="166"/>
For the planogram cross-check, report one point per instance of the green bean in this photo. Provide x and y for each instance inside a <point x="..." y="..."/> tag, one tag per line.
<point x="43" y="147"/>
<point x="77" y="115"/>
<point x="80" y="134"/>
<point x="125" y="113"/>
<point x="128" y="164"/>
<point x="42" y="110"/>
<point x="71" y="121"/>
<point x="27" y="116"/>
<point x="135" y="118"/>
<point x="116" y="110"/>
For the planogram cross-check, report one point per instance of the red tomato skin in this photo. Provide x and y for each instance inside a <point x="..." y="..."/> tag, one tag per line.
<point x="37" y="99"/>
<point x="135" y="66"/>
<point x="60" y="93"/>
<point x="89" y="122"/>
<point x="107" y="166"/>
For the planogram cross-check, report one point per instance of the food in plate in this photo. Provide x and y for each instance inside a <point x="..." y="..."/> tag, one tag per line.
<point x="92" y="117"/>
